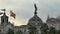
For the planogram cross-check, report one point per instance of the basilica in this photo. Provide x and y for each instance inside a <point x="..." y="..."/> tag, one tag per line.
<point x="34" y="21"/>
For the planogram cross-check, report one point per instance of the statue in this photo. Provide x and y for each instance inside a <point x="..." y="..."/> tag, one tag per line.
<point x="35" y="8"/>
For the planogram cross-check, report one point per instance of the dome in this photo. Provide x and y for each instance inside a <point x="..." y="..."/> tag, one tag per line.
<point x="35" y="18"/>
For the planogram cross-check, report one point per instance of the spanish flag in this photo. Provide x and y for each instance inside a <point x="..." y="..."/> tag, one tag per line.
<point x="12" y="14"/>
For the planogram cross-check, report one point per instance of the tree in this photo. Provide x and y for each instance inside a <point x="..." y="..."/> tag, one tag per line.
<point x="58" y="31"/>
<point x="32" y="30"/>
<point x="19" y="32"/>
<point x="52" y="30"/>
<point x="10" y="31"/>
<point x="44" y="28"/>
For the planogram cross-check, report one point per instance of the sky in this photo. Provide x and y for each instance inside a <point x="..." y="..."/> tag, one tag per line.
<point x="24" y="9"/>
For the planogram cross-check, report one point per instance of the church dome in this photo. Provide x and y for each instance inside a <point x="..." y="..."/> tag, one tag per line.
<point x="35" y="20"/>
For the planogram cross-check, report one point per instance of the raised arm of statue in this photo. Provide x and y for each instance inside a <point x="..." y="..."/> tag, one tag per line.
<point x="35" y="7"/>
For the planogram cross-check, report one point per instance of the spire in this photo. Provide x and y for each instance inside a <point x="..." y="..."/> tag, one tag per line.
<point x="35" y="9"/>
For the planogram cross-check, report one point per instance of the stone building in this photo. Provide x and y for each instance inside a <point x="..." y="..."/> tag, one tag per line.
<point x="53" y="22"/>
<point x="34" y="21"/>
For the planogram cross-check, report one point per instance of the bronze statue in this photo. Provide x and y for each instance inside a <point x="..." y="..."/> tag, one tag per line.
<point x="35" y="8"/>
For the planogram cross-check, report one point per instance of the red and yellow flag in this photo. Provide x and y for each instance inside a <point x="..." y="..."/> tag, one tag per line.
<point x="12" y="14"/>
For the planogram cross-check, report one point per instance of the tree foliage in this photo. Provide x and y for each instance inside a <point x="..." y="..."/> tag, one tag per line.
<point x="19" y="32"/>
<point x="58" y="31"/>
<point x="32" y="30"/>
<point x="52" y="30"/>
<point x="44" y="28"/>
<point x="10" y="31"/>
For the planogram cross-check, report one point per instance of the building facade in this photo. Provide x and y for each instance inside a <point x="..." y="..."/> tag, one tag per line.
<point x="53" y="22"/>
<point x="34" y="21"/>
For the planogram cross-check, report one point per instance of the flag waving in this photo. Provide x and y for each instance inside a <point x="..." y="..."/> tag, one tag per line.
<point x="12" y="14"/>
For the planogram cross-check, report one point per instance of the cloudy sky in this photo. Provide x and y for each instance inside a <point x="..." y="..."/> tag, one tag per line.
<point x="24" y="9"/>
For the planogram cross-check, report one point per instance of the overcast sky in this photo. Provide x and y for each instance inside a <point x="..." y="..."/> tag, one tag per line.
<point x="24" y="9"/>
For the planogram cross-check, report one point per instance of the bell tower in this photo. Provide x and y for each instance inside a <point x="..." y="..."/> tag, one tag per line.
<point x="4" y="18"/>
